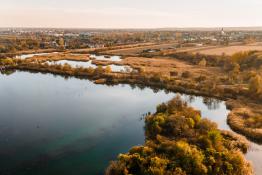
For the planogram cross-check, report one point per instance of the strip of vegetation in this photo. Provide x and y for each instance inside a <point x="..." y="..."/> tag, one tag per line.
<point x="179" y="142"/>
<point x="58" y="57"/>
<point x="245" y="119"/>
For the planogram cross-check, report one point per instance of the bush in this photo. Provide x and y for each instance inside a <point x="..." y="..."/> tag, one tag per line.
<point x="174" y="73"/>
<point x="162" y="108"/>
<point x="201" y="78"/>
<point x="255" y="85"/>
<point x="66" y="67"/>
<point x="186" y="74"/>
<point x="99" y="70"/>
<point x="203" y="62"/>
<point x="108" y="69"/>
<point x="7" y="62"/>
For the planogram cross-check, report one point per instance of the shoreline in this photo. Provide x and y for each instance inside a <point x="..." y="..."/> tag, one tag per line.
<point x="137" y="79"/>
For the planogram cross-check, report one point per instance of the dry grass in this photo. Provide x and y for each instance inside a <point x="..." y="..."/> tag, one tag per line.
<point x="33" y="51"/>
<point x="192" y="49"/>
<point x="108" y="49"/>
<point x="139" y="49"/>
<point x="60" y="56"/>
<point x="229" y="50"/>
<point x="237" y="120"/>
<point x="163" y="66"/>
<point x="167" y="65"/>
<point x="246" y="119"/>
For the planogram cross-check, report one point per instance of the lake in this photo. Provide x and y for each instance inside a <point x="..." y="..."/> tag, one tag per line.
<point x="51" y="125"/>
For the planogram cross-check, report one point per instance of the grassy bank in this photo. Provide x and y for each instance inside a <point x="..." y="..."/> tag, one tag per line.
<point x="246" y="119"/>
<point x="58" y="57"/>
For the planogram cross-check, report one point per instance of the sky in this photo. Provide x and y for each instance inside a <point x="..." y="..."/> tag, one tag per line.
<point x="130" y="13"/>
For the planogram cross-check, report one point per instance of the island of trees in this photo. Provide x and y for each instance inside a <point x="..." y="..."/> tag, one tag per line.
<point x="180" y="142"/>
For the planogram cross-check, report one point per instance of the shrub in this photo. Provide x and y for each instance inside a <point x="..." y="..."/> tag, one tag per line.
<point x="7" y="62"/>
<point x="162" y="108"/>
<point x="186" y="74"/>
<point x="255" y="85"/>
<point x="174" y="73"/>
<point x="108" y="69"/>
<point x="203" y="62"/>
<point x="99" y="70"/>
<point x="67" y="67"/>
<point x="201" y="78"/>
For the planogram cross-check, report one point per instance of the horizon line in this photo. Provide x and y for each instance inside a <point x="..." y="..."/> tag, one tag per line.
<point x="139" y="28"/>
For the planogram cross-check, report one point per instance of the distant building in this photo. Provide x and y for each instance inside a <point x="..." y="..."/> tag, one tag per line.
<point x="223" y="38"/>
<point x="54" y="44"/>
<point x="223" y="33"/>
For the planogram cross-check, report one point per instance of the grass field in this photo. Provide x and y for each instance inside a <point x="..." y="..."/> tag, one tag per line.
<point x="137" y="50"/>
<point x="229" y="50"/>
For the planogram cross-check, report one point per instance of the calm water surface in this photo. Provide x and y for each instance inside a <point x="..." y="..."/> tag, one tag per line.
<point x="51" y="125"/>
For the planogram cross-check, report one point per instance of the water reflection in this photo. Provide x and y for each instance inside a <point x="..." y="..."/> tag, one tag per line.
<point x="52" y="126"/>
<point x="211" y="103"/>
<point x="7" y="72"/>
<point x="190" y="98"/>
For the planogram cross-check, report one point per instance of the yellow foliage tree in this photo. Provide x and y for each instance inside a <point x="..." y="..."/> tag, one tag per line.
<point x="203" y="62"/>
<point x="255" y="84"/>
<point x="108" y="69"/>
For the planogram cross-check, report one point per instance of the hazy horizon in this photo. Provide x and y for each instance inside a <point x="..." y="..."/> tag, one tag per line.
<point x="135" y="14"/>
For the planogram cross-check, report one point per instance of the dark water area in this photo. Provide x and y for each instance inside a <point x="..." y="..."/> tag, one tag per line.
<point x="51" y="125"/>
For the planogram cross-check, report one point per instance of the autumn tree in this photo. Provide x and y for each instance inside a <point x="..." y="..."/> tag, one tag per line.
<point x="203" y="62"/>
<point x="255" y="84"/>
<point x="179" y="142"/>
<point x="108" y="69"/>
